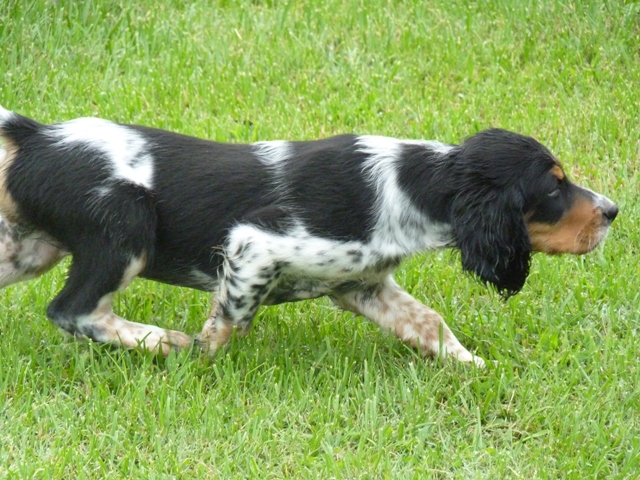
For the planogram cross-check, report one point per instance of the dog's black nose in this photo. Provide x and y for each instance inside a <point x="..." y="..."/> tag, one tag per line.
<point x="610" y="213"/>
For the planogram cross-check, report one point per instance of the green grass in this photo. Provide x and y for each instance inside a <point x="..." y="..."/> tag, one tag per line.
<point x="313" y="393"/>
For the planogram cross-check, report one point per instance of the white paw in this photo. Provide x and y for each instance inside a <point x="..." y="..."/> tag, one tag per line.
<point x="467" y="357"/>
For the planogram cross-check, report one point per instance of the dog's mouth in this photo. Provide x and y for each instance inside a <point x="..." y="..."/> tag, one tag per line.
<point x="572" y="239"/>
<point x="589" y="240"/>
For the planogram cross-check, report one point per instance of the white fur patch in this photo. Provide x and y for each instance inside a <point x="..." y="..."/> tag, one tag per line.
<point x="400" y="228"/>
<point x="304" y="254"/>
<point x="273" y="153"/>
<point x="315" y="265"/>
<point x="125" y="148"/>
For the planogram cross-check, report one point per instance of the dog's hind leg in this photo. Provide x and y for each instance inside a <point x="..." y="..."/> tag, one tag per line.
<point x="393" y="309"/>
<point x="115" y="245"/>
<point x="83" y="306"/>
<point x="24" y="256"/>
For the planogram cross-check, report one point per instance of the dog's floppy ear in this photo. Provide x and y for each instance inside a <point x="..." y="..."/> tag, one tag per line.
<point x="490" y="231"/>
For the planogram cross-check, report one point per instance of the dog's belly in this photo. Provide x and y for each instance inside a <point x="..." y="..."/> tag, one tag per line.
<point x="291" y="288"/>
<point x="183" y="276"/>
<point x="294" y="289"/>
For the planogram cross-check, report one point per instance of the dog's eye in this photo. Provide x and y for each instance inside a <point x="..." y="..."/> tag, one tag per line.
<point x="555" y="193"/>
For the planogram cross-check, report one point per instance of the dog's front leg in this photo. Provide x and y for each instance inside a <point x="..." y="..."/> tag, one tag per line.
<point x="249" y="273"/>
<point x="390" y="307"/>
<point x="240" y="294"/>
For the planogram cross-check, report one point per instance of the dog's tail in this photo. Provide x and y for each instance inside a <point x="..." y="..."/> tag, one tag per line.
<point x="5" y="116"/>
<point x="14" y="127"/>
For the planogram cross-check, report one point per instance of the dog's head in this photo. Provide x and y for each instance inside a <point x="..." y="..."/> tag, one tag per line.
<point x="514" y="198"/>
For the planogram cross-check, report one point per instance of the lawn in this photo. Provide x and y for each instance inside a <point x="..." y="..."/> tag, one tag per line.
<point x="312" y="392"/>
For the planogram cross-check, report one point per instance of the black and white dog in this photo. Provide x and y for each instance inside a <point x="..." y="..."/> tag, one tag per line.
<point x="275" y="222"/>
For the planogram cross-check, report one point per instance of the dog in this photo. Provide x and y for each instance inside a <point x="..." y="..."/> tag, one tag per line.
<point x="276" y="221"/>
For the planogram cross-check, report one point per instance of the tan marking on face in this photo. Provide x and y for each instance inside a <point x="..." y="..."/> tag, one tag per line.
<point x="557" y="171"/>
<point x="8" y="206"/>
<point x="579" y="231"/>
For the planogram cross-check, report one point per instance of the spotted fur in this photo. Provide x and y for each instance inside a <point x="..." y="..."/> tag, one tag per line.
<point x="275" y="222"/>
